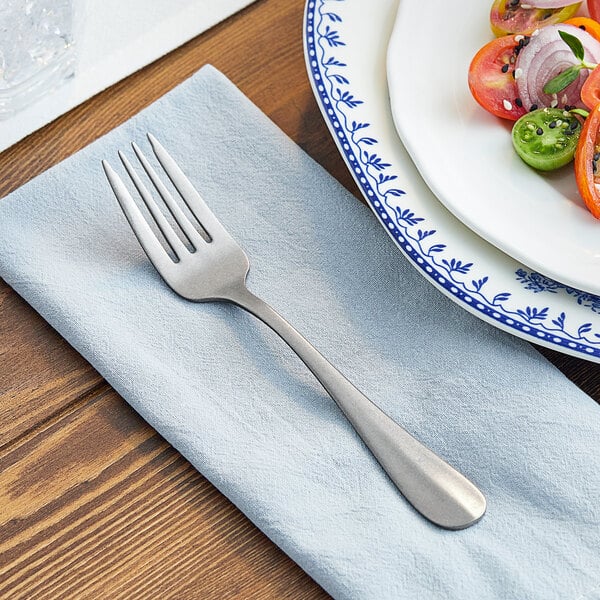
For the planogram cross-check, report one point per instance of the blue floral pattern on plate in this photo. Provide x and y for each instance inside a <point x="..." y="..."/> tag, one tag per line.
<point x="421" y="242"/>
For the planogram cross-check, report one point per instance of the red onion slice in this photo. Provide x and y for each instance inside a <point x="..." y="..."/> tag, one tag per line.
<point x="547" y="3"/>
<point x="544" y="57"/>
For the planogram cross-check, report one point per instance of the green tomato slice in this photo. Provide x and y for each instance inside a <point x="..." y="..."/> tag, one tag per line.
<point x="546" y="138"/>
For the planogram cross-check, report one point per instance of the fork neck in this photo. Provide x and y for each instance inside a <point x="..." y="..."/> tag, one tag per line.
<point x="328" y="375"/>
<point x="241" y="296"/>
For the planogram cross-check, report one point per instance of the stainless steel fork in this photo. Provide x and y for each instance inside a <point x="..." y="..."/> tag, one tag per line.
<point x="216" y="269"/>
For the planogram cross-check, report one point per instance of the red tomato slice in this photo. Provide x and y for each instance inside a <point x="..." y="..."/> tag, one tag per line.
<point x="590" y="91"/>
<point x="594" y="9"/>
<point x="491" y="79"/>
<point x="587" y="157"/>
<point x="508" y="16"/>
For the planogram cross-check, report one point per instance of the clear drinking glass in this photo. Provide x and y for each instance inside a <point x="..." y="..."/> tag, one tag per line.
<point x="37" y="52"/>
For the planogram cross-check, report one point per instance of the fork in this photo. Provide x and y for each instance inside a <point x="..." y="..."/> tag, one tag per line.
<point x="215" y="269"/>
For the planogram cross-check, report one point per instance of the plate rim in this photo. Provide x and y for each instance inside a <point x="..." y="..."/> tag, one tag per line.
<point x="525" y="324"/>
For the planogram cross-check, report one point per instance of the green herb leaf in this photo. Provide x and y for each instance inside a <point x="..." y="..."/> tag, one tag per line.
<point x="561" y="81"/>
<point x="573" y="43"/>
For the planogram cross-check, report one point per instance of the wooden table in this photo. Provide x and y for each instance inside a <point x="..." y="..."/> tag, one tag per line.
<point x="93" y="502"/>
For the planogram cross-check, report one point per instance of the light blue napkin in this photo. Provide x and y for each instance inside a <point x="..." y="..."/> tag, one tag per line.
<point x="242" y="408"/>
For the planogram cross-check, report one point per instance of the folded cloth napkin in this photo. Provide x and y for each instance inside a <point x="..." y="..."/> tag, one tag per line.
<point x="243" y="409"/>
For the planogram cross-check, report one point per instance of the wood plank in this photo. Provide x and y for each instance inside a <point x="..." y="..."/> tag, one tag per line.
<point x="40" y="373"/>
<point x="97" y="505"/>
<point x="584" y="374"/>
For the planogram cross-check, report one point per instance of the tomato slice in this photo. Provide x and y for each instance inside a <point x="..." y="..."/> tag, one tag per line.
<point x="509" y="16"/>
<point x="546" y="138"/>
<point x="590" y="91"/>
<point x="587" y="169"/>
<point x="587" y="24"/>
<point x="593" y="7"/>
<point x="491" y="79"/>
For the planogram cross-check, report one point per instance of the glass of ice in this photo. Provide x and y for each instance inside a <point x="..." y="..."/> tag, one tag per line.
<point x="37" y="52"/>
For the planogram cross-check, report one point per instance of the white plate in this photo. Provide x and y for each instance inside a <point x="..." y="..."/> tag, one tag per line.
<point x="465" y="154"/>
<point x="345" y="48"/>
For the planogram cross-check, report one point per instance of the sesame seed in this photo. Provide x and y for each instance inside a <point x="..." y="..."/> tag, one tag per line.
<point x="539" y="131"/>
<point x="505" y="68"/>
<point x="519" y="102"/>
<point x="554" y="103"/>
<point x="534" y="107"/>
<point x="507" y="105"/>
<point x="552" y="124"/>
<point x="518" y="73"/>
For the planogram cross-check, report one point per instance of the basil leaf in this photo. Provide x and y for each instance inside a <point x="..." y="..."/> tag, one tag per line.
<point x="573" y="43"/>
<point x="561" y="81"/>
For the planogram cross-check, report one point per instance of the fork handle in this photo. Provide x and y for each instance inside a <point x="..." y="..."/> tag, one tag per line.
<point x="434" y="488"/>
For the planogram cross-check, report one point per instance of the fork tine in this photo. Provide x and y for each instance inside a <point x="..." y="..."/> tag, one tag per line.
<point x="149" y="242"/>
<point x="171" y="236"/>
<point x="188" y="192"/>
<point x="180" y="217"/>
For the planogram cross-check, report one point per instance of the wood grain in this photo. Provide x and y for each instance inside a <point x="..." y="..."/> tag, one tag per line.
<point x="97" y="504"/>
<point x="94" y="503"/>
<point x="40" y="373"/>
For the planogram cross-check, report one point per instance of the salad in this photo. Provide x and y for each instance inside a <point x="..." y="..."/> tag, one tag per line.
<point x="541" y="72"/>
